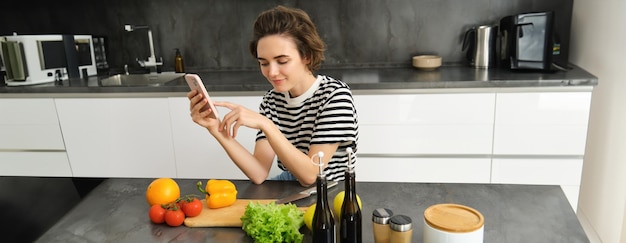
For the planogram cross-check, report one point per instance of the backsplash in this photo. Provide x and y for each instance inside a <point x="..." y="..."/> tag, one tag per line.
<point x="214" y="35"/>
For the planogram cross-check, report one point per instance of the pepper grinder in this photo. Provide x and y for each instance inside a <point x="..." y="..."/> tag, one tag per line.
<point x="401" y="229"/>
<point x="380" y="224"/>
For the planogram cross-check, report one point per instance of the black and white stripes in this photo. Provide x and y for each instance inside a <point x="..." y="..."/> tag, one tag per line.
<point x="324" y="114"/>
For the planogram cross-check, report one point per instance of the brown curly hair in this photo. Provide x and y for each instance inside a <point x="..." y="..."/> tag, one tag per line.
<point x="295" y="23"/>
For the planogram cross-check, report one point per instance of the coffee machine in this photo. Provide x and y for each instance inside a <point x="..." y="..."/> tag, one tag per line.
<point x="528" y="41"/>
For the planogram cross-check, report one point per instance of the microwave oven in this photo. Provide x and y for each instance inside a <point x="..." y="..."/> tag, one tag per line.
<point x="36" y="59"/>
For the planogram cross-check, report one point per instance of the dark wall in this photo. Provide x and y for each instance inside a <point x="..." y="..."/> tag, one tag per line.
<point x="214" y="34"/>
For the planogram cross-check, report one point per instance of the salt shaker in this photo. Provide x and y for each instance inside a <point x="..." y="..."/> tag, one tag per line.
<point x="380" y="224"/>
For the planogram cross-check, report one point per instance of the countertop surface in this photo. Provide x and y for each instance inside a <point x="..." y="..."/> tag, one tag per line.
<point x="363" y="79"/>
<point x="117" y="211"/>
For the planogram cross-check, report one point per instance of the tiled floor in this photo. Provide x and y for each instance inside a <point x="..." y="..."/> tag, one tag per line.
<point x="31" y="205"/>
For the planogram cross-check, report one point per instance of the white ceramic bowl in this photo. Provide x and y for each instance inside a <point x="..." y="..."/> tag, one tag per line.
<point x="427" y="62"/>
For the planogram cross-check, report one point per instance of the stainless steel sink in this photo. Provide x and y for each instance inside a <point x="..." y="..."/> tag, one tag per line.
<point x="148" y="79"/>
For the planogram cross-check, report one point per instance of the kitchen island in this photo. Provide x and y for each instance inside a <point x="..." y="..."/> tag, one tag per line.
<point x="117" y="211"/>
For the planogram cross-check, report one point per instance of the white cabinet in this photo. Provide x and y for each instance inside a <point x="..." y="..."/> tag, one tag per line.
<point x="29" y="124"/>
<point x="486" y="137"/>
<point x="417" y="124"/>
<point x="118" y="137"/>
<point x="424" y="170"/>
<point x="508" y="137"/>
<point x="538" y="171"/>
<point x="31" y="143"/>
<point x="546" y="123"/>
<point x="539" y="138"/>
<point x="425" y="137"/>
<point x="34" y="163"/>
<point x="198" y="154"/>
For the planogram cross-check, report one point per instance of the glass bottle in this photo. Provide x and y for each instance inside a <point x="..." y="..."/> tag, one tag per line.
<point x="179" y="66"/>
<point x="323" y="220"/>
<point x="350" y="218"/>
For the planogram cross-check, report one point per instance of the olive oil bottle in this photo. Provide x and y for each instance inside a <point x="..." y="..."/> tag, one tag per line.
<point x="323" y="220"/>
<point x="350" y="229"/>
<point x="179" y="65"/>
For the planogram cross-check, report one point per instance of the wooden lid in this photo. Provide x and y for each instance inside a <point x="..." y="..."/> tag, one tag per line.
<point x="453" y="218"/>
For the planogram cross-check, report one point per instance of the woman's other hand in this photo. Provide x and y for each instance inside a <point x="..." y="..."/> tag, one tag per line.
<point x="240" y="116"/>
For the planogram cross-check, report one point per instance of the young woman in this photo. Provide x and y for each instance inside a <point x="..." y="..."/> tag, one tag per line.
<point x="303" y="113"/>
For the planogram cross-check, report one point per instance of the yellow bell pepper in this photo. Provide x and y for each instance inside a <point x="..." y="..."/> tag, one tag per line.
<point x="219" y="193"/>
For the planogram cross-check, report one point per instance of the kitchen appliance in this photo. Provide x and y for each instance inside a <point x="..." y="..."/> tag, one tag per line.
<point x="36" y="59"/>
<point x="480" y="43"/>
<point x="527" y="41"/>
<point x="100" y="54"/>
<point x="2" y="74"/>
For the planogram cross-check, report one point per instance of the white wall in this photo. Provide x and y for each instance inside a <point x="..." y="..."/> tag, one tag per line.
<point x="599" y="46"/>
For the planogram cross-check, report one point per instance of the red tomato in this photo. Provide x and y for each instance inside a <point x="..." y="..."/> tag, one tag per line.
<point x="157" y="214"/>
<point x="174" y="217"/>
<point x="192" y="208"/>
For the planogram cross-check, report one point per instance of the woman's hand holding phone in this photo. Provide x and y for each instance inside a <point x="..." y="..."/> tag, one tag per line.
<point x="195" y="83"/>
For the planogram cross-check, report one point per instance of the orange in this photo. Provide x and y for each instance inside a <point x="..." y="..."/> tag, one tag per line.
<point x="162" y="191"/>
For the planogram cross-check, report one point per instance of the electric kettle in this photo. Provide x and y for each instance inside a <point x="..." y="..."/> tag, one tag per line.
<point x="480" y="44"/>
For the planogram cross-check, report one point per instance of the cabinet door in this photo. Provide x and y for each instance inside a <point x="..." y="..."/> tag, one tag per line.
<point x="118" y="137"/>
<point x="537" y="171"/>
<point x="31" y="143"/>
<point x="35" y="163"/>
<point x="424" y="170"/>
<point x="553" y="123"/>
<point x="425" y="123"/>
<point x="198" y="154"/>
<point x="29" y="124"/>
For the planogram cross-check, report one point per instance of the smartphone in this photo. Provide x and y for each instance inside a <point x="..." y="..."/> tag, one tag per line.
<point x="195" y="83"/>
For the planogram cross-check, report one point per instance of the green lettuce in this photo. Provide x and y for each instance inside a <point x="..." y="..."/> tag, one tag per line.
<point x="272" y="222"/>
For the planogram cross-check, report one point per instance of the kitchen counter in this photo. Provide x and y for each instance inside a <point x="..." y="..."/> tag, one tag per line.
<point x="116" y="211"/>
<point x="362" y="80"/>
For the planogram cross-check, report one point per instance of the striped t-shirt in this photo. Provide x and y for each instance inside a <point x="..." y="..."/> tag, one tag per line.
<point x="324" y="114"/>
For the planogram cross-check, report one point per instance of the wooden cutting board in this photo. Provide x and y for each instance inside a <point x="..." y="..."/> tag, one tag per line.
<point x="223" y="217"/>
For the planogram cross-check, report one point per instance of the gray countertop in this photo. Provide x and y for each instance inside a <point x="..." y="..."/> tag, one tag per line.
<point x="116" y="211"/>
<point x="361" y="80"/>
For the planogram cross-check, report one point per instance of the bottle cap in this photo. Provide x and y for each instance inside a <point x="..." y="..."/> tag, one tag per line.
<point x="381" y="215"/>
<point x="400" y="223"/>
<point x="319" y="155"/>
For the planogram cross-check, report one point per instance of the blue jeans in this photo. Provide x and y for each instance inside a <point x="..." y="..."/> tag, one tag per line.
<point x="284" y="176"/>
